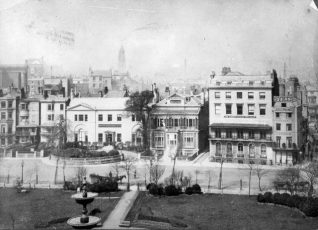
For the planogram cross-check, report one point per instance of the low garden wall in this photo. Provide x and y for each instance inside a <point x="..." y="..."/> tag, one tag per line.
<point x="86" y="161"/>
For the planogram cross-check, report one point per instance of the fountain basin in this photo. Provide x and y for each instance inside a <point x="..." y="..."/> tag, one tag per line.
<point x="75" y="222"/>
<point x="84" y="200"/>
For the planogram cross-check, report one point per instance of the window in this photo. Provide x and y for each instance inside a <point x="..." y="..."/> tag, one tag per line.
<point x="262" y="109"/>
<point x="218" y="148"/>
<point x="228" y="134"/>
<point x="251" y="109"/>
<point x="9" y="128"/>
<point x="100" y="78"/>
<point x="61" y="117"/>
<point x="277" y="126"/>
<point x="3" y="115"/>
<point x="3" y="129"/>
<point x="288" y="127"/>
<point x="75" y="117"/>
<point x="118" y="137"/>
<point x="277" y="114"/>
<point x="278" y="138"/>
<point x="23" y="106"/>
<point x="263" y="135"/>
<point x="172" y="139"/>
<point x="9" y="104"/>
<point x="86" y="117"/>
<point x="283" y="104"/>
<point x="250" y="95"/>
<point x="159" y="139"/>
<point x="228" y="95"/>
<point x="119" y="117"/>
<point x="263" y="151"/>
<point x="289" y="115"/>
<point x="239" y="95"/>
<point x="100" y="117"/>
<point x="86" y="138"/>
<point x="3" y="141"/>
<point x="229" y="148"/>
<point x="50" y="107"/>
<point x="3" y="104"/>
<point x="176" y="122"/>
<point x="50" y="117"/>
<point x="81" y="117"/>
<point x="9" y="115"/>
<point x="218" y="133"/>
<point x="61" y="107"/>
<point x="217" y="95"/>
<point x="289" y="141"/>
<point x="217" y="109"/>
<point x="188" y="139"/>
<point x="251" y="149"/>
<point x="109" y="117"/>
<point x="240" y="134"/>
<point x="133" y="117"/>
<point x="239" y="109"/>
<point x="228" y="108"/>
<point x="240" y="148"/>
<point x="251" y="134"/>
<point x="251" y="83"/>
<point x="9" y="140"/>
<point x="100" y="138"/>
<point x="262" y="95"/>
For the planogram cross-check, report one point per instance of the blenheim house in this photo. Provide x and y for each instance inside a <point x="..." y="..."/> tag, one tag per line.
<point x="240" y="114"/>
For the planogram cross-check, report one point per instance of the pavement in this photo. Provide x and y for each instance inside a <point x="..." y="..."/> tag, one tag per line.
<point x="118" y="215"/>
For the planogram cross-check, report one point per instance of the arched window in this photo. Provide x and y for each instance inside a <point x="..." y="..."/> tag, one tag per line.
<point x="251" y="149"/>
<point x="218" y="148"/>
<point x="263" y="150"/>
<point x="229" y="148"/>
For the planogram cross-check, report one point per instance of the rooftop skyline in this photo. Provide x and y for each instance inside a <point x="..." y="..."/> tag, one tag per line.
<point x="162" y="38"/>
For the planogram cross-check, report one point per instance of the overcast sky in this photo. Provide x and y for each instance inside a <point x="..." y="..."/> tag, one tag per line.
<point x="250" y="36"/>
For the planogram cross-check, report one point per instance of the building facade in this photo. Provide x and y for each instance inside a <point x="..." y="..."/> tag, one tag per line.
<point x="28" y="123"/>
<point x="35" y="73"/>
<point x="101" y="121"/>
<point x="8" y="118"/>
<point x="174" y="126"/>
<point x="99" y="79"/>
<point x="52" y="112"/>
<point x="240" y="114"/>
<point x="287" y="130"/>
<point x="13" y="76"/>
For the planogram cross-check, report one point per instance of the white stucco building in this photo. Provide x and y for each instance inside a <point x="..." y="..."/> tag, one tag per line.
<point x="240" y="117"/>
<point x="101" y="120"/>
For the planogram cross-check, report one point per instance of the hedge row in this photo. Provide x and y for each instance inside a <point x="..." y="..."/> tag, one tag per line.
<point x="172" y="190"/>
<point x="309" y="206"/>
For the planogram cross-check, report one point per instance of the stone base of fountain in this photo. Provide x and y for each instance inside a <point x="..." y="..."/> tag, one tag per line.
<point x="75" y="222"/>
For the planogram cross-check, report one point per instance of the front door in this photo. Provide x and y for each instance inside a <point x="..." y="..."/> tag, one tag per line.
<point x="109" y="138"/>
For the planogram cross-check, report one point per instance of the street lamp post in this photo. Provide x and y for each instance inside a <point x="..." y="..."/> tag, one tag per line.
<point x="22" y="165"/>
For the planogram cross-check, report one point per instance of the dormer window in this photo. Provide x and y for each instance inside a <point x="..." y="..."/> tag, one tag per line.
<point x="251" y="83"/>
<point x="175" y="101"/>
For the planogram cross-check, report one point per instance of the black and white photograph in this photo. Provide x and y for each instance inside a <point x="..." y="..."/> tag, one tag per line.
<point x="159" y="114"/>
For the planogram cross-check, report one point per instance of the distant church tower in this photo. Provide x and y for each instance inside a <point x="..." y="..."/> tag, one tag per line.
<point x="121" y="60"/>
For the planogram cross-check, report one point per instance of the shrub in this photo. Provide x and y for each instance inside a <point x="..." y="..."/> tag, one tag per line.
<point x="260" y="198"/>
<point x="310" y="207"/>
<point x="171" y="190"/>
<point x="196" y="189"/>
<point x="111" y="186"/>
<point x="268" y="197"/>
<point x="189" y="191"/>
<point x="150" y="185"/>
<point x="285" y="198"/>
<point x="276" y="198"/>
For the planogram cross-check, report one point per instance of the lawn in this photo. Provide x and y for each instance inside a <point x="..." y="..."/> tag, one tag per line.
<point x="39" y="206"/>
<point x="214" y="211"/>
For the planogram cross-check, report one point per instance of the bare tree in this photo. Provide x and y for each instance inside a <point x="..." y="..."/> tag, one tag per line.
<point x="251" y="167"/>
<point x="196" y="175"/>
<point x="128" y="166"/>
<point x="80" y="173"/>
<point x="156" y="171"/>
<point x="288" y="177"/>
<point x="116" y="168"/>
<point x="260" y="172"/>
<point x="13" y="219"/>
<point x="310" y="175"/>
<point x="210" y="174"/>
<point x="36" y="170"/>
<point x="221" y="172"/>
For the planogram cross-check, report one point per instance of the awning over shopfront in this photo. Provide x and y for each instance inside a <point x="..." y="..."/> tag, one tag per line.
<point x="241" y="126"/>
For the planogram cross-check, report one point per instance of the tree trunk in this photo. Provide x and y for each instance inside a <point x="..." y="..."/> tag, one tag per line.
<point x="220" y="177"/>
<point x="249" y="183"/>
<point x="259" y="184"/>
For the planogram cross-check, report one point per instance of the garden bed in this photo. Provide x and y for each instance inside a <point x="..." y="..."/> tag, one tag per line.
<point x="216" y="211"/>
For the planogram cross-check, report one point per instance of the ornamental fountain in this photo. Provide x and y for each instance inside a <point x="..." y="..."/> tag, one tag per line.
<point x="84" y="198"/>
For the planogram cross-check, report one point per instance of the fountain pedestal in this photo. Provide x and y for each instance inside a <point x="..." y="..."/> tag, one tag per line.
<point x="84" y="221"/>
